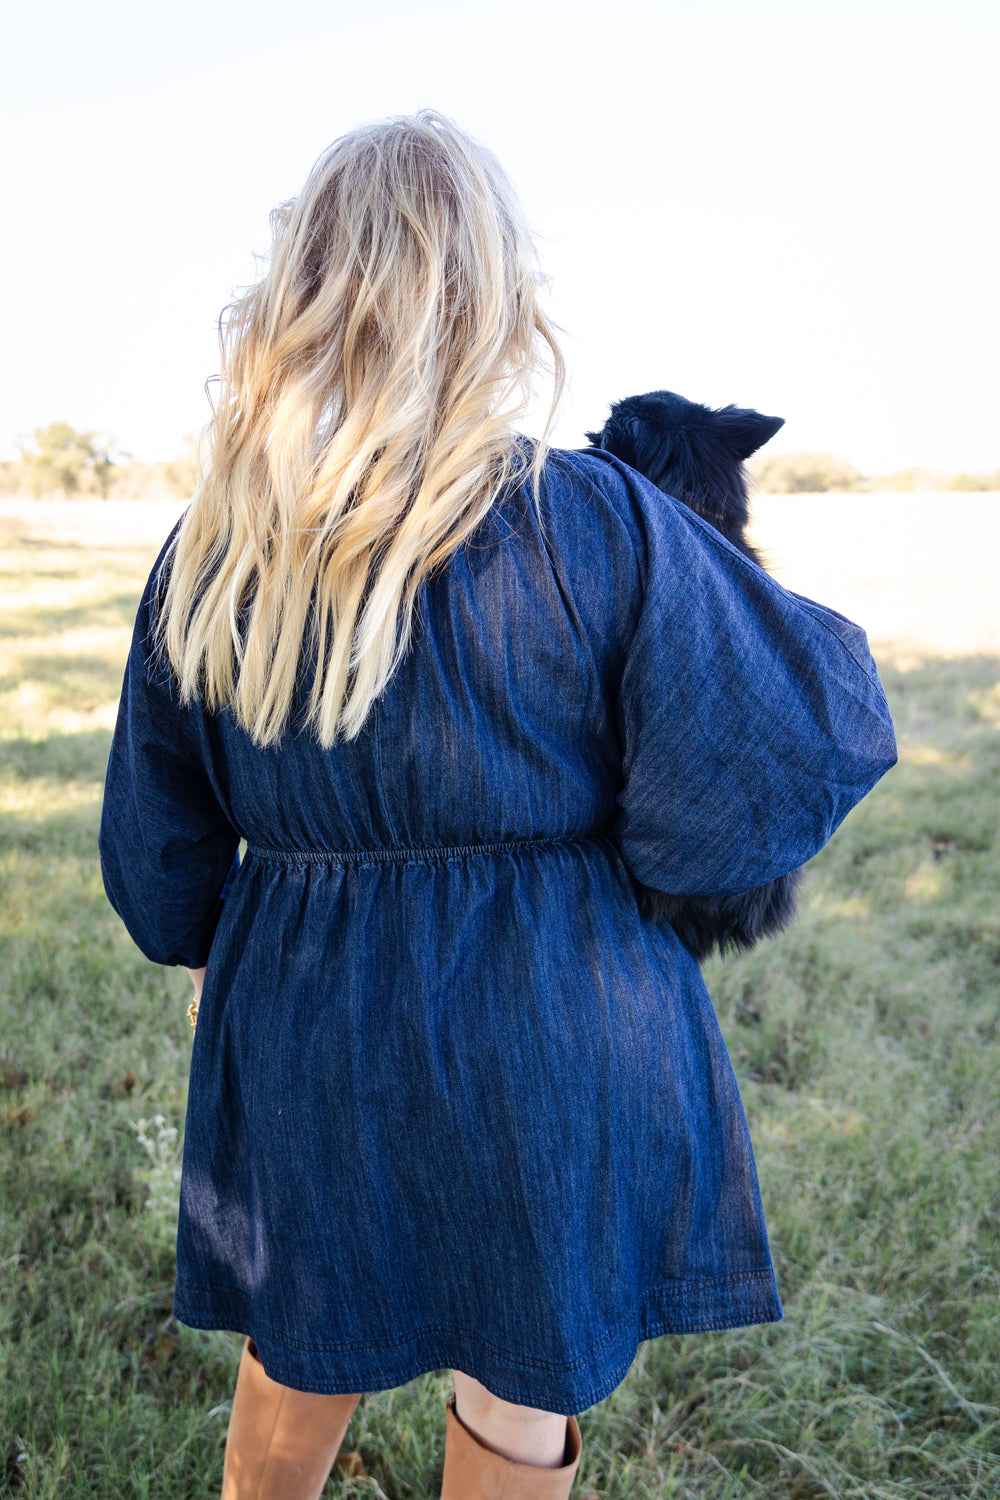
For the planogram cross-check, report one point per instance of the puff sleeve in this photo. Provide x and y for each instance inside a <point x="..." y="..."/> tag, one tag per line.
<point x="751" y="719"/>
<point x="166" y="844"/>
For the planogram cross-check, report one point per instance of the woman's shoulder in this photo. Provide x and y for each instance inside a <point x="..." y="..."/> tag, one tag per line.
<point x="659" y="529"/>
<point x="594" y="473"/>
<point x="590" y="489"/>
<point x="674" y="547"/>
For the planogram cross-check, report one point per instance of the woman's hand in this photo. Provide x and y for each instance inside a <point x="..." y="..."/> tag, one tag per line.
<point x="197" y="979"/>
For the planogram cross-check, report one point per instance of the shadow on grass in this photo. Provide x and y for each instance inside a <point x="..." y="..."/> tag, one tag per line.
<point x="12" y="534"/>
<point x="116" y="610"/>
<point x="59" y="757"/>
<point x="80" y="683"/>
<point x="946" y="693"/>
<point x="73" y="832"/>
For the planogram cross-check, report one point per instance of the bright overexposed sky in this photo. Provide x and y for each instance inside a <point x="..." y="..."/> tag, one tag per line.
<point x="788" y="205"/>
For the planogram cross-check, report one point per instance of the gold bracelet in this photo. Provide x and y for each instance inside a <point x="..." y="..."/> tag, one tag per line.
<point x="192" y="1013"/>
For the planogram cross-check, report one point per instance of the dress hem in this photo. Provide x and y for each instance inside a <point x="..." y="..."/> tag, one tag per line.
<point x="712" y="1305"/>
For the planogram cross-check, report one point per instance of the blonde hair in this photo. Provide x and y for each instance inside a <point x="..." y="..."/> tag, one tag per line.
<point x="361" y="431"/>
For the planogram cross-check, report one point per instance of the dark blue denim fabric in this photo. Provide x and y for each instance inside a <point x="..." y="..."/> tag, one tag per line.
<point x="453" y="1101"/>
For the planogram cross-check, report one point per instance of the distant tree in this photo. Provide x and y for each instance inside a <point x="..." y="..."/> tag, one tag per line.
<point x="933" y="479"/>
<point x="905" y="480"/>
<point x="975" y="481"/>
<point x="181" y="473"/>
<point x="63" y="457"/>
<point x="804" y="473"/>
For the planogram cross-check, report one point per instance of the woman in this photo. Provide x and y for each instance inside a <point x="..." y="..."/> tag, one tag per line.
<point x="454" y="1102"/>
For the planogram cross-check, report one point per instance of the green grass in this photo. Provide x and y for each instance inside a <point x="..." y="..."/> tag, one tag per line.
<point x="866" y="1044"/>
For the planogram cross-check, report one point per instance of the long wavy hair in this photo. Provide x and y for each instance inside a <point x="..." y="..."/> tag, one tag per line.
<point x="363" y="428"/>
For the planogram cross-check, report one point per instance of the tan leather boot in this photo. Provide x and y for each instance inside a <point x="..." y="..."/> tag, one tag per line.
<point x="281" y="1443"/>
<point x="474" y="1472"/>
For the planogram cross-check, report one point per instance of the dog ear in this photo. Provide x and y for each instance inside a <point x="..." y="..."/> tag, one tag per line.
<point x="744" y="431"/>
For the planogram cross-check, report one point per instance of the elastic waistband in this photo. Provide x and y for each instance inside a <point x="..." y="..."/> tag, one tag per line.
<point x="403" y="855"/>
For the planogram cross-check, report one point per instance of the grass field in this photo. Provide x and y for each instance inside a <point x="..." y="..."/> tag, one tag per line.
<point x="865" y="1040"/>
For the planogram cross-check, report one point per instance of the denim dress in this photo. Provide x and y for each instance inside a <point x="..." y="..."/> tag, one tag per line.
<point x="454" y="1101"/>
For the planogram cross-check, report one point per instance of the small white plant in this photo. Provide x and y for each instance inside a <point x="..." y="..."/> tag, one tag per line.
<point x="162" y="1176"/>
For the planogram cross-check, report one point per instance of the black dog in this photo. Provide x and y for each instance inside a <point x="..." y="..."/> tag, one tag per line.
<point x="697" y="455"/>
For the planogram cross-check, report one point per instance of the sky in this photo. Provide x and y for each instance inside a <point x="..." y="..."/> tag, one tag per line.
<point x="789" y="206"/>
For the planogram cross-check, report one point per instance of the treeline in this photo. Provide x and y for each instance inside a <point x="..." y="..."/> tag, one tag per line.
<point x="814" y="473"/>
<point x="61" y="461"/>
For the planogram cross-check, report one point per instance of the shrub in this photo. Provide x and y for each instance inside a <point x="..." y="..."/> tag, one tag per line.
<point x="800" y="473"/>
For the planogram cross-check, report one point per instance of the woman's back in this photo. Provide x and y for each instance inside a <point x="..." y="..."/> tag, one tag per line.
<point x="430" y="990"/>
<point x="498" y="724"/>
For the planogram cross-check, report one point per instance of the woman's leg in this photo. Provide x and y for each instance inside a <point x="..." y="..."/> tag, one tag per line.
<point x="523" y="1433"/>
<point x="281" y="1443"/>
